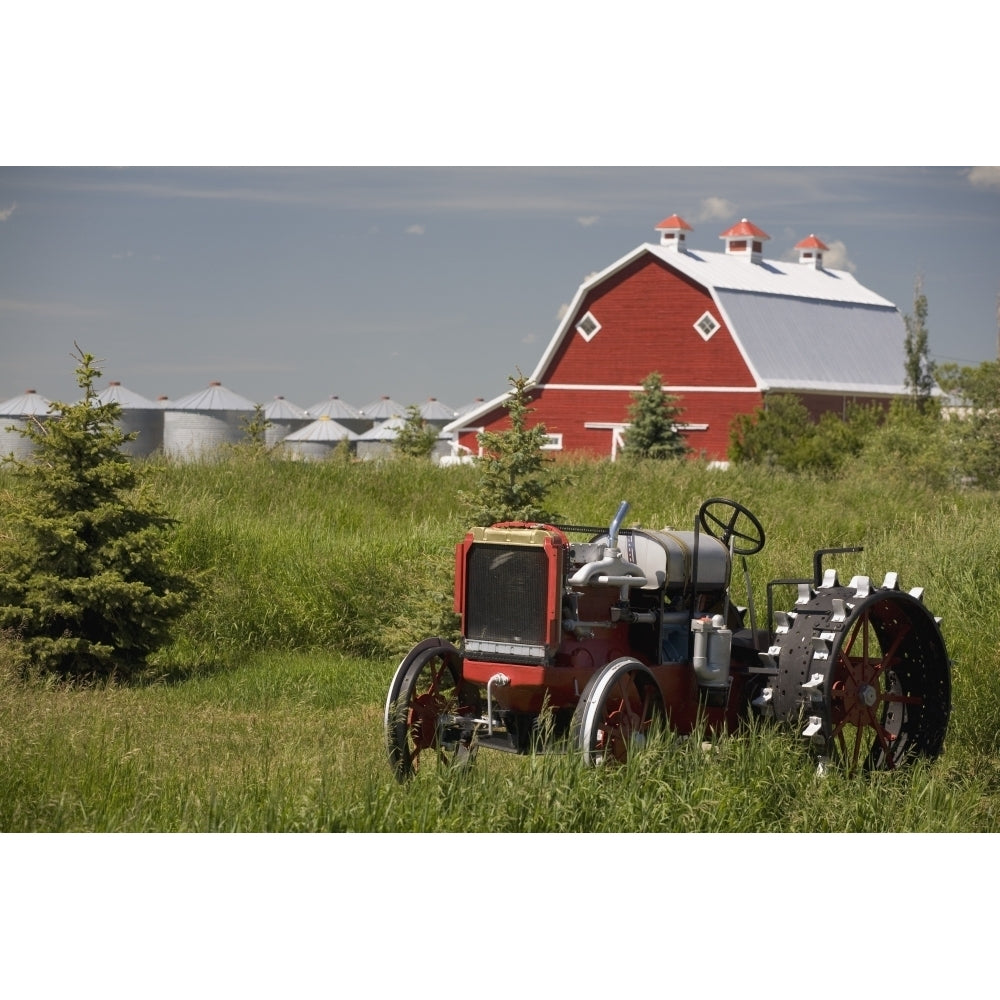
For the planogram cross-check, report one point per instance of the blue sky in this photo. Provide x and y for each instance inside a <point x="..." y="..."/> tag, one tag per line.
<point x="415" y="279"/>
<point x="430" y="281"/>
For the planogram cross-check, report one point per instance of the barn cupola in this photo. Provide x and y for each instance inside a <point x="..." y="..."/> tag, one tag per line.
<point x="745" y="240"/>
<point x="811" y="251"/>
<point x="672" y="230"/>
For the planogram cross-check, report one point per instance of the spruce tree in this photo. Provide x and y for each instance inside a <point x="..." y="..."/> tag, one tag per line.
<point x="87" y="584"/>
<point x="513" y="479"/>
<point x="653" y="419"/>
<point x="416" y="438"/>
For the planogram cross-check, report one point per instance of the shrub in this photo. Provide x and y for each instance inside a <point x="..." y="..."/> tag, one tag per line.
<point x="86" y="581"/>
<point x="513" y="480"/>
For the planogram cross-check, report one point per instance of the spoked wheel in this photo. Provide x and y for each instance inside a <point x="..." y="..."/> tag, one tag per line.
<point x="617" y="709"/>
<point x="424" y="708"/>
<point x="889" y="689"/>
<point x="867" y="671"/>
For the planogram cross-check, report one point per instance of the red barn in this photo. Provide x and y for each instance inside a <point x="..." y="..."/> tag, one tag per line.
<point x="723" y="329"/>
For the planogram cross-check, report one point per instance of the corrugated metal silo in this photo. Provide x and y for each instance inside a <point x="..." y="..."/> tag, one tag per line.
<point x="383" y="409"/>
<point x="138" y="414"/>
<point x="197" y="425"/>
<point x="437" y="413"/>
<point x="284" y="418"/>
<point x="337" y="409"/>
<point x="317" y="441"/>
<point x="15" y="415"/>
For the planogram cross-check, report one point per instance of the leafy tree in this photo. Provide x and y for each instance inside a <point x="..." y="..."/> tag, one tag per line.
<point x="774" y="434"/>
<point x="977" y="420"/>
<point x="919" y="369"/>
<point x="416" y="438"/>
<point x="513" y="481"/>
<point x="86" y="580"/>
<point x="653" y="419"/>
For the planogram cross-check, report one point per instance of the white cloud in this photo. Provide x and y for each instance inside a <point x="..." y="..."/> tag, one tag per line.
<point x="529" y="339"/>
<point x="588" y="220"/>
<point x="836" y="257"/>
<point x="415" y="230"/>
<point x="6" y="213"/>
<point x="984" y="176"/>
<point x="715" y="208"/>
<point x="561" y="311"/>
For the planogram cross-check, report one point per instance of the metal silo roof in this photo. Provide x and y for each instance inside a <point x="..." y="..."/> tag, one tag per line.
<point x="28" y="404"/>
<point x="281" y="409"/>
<point x="215" y="397"/>
<point x="322" y="429"/>
<point x="125" y="398"/>
<point x="334" y="407"/>
<point x="434" y="410"/>
<point x="383" y="409"/>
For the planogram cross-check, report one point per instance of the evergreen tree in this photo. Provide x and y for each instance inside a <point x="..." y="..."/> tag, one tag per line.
<point x="513" y="480"/>
<point x="416" y="438"/>
<point x="86" y="582"/>
<point x="918" y="368"/>
<point x="654" y="416"/>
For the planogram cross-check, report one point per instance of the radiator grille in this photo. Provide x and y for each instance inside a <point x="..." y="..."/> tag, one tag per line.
<point x="507" y="594"/>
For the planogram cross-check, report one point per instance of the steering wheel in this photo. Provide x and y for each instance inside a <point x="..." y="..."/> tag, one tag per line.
<point x="727" y="526"/>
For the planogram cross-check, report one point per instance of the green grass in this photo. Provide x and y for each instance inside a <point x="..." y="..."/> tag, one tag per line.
<point x="265" y="714"/>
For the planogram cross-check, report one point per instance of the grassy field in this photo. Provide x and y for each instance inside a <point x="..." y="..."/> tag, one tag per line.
<point x="265" y="714"/>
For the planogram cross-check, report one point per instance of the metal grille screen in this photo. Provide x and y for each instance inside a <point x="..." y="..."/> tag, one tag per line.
<point x="507" y="593"/>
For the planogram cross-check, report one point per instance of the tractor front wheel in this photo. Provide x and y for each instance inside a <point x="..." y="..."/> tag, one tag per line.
<point x="618" y="708"/>
<point x="423" y="709"/>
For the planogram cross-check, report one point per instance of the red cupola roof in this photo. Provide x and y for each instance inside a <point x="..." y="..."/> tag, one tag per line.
<point x="811" y="242"/>
<point x="673" y="222"/>
<point x="744" y="228"/>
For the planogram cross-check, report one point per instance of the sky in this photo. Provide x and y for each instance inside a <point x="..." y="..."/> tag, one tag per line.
<point x="398" y="202"/>
<point x="418" y="282"/>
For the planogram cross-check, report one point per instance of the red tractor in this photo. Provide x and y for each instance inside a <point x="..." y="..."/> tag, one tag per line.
<point x="586" y="644"/>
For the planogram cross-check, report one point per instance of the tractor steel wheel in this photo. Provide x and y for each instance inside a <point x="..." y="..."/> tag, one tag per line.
<point x="424" y="700"/>
<point x="866" y="670"/>
<point x="889" y="689"/>
<point x="617" y="709"/>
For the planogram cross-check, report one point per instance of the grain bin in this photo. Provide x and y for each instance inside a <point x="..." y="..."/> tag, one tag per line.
<point x="383" y="408"/>
<point x="337" y="409"/>
<point x="198" y="425"/>
<point x="317" y="441"/>
<point x="283" y="418"/>
<point x="379" y="442"/>
<point x="437" y="413"/>
<point x="139" y="414"/>
<point x="15" y="415"/>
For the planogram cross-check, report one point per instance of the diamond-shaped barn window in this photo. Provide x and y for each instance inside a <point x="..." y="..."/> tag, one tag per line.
<point x="707" y="325"/>
<point x="588" y="327"/>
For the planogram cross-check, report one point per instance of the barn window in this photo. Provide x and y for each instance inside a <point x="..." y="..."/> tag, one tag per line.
<point x="707" y="325"/>
<point x="552" y="442"/>
<point x="588" y="326"/>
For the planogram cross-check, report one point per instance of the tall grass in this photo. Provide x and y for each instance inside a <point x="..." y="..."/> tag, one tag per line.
<point x="265" y="713"/>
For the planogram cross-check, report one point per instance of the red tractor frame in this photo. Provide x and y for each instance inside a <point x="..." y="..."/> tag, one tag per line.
<point x="583" y="639"/>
